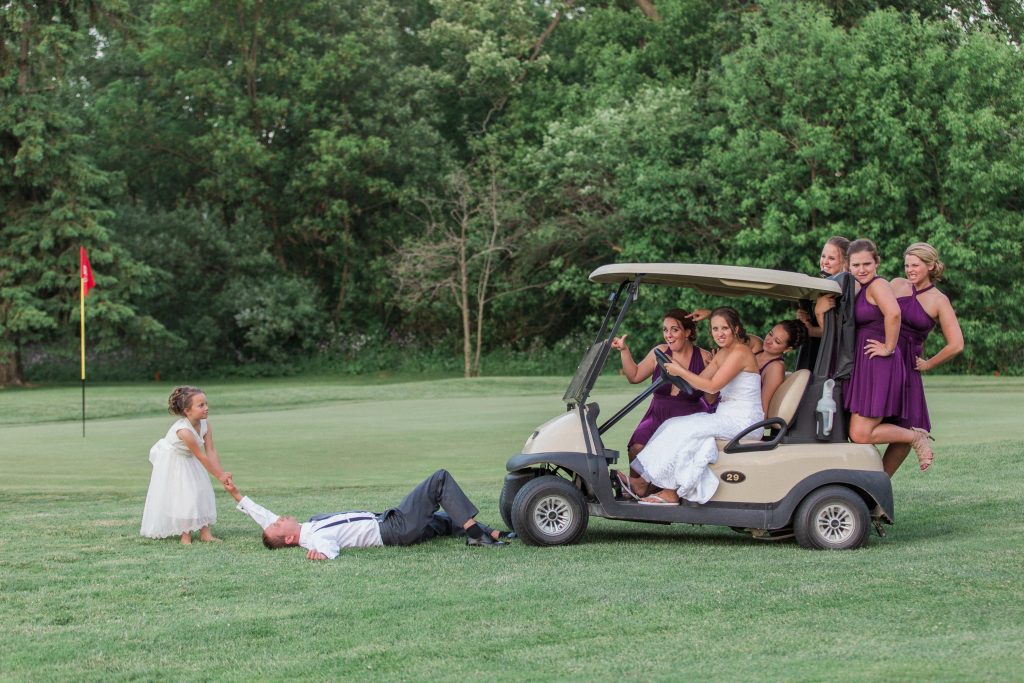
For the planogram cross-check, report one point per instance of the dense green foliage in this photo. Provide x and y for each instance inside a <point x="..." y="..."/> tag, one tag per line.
<point x="83" y="597"/>
<point x="264" y="184"/>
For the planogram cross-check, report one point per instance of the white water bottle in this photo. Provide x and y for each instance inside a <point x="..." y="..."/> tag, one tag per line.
<point x="826" y="410"/>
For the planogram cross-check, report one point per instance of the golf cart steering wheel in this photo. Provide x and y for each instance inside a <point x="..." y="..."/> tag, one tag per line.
<point x="677" y="382"/>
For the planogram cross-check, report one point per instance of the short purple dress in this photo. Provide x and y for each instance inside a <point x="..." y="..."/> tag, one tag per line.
<point x="875" y="388"/>
<point x="664" y="405"/>
<point x="914" y="329"/>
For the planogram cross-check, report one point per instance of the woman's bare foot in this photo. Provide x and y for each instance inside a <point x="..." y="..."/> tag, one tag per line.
<point x="206" y="536"/>
<point x="186" y="538"/>
<point x="640" y="486"/>
<point x="662" y="497"/>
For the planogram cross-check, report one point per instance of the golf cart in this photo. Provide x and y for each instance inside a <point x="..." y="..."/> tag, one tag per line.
<point x="802" y="479"/>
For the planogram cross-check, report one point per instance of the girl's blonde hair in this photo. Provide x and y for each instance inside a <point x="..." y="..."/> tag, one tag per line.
<point x="929" y="256"/>
<point x="842" y="244"/>
<point x="180" y="399"/>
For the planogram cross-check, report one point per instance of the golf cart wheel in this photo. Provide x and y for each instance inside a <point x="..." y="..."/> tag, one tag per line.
<point x="508" y="494"/>
<point x="548" y="511"/>
<point x="832" y="518"/>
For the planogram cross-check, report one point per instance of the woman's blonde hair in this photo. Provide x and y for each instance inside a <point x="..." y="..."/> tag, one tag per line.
<point x="842" y="244"/>
<point x="929" y="256"/>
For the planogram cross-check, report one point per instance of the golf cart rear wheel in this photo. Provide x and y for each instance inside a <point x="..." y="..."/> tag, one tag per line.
<point x="549" y="511"/>
<point x="832" y="518"/>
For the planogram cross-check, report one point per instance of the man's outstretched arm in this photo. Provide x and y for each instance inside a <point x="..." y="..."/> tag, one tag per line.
<point x="258" y="513"/>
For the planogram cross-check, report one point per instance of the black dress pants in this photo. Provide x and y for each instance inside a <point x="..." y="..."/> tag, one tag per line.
<point x="416" y="518"/>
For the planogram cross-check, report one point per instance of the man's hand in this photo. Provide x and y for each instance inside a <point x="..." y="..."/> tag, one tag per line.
<point x="225" y="478"/>
<point x="314" y="555"/>
<point x="229" y="486"/>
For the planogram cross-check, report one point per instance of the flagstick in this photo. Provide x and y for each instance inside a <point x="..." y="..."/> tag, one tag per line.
<point x="81" y="315"/>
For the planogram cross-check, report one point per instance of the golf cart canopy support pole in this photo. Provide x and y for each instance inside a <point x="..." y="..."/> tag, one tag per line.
<point x="605" y="340"/>
<point x="613" y="299"/>
<point x="629" y="406"/>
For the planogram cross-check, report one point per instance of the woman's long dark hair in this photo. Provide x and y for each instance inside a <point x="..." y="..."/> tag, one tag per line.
<point x="732" y="317"/>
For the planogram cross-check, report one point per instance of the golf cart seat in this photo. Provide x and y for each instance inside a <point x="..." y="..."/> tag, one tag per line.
<point x="781" y="410"/>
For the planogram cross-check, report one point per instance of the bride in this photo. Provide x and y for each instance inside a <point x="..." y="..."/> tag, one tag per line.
<point x="676" y="458"/>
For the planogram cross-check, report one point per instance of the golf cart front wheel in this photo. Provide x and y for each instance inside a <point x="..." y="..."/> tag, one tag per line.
<point x="832" y="518"/>
<point x="549" y="511"/>
<point x="508" y="494"/>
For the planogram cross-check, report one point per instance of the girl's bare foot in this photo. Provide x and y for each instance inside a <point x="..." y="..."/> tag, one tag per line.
<point x="206" y="536"/>
<point x="186" y="538"/>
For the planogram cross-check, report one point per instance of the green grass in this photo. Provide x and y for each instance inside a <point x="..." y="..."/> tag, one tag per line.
<point x="83" y="597"/>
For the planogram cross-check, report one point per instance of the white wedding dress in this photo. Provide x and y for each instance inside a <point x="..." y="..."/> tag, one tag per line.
<point x="180" y="496"/>
<point x="678" y="455"/>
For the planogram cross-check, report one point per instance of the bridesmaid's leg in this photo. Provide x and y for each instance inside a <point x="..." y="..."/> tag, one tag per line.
<point x="634" y="450"/>
<point x="872" y="430"/>
<point x="894" y="456"/>
<point x="638" y="484"/>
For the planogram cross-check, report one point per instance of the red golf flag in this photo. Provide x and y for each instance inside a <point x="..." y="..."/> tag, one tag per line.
<point x="87" y="282"/>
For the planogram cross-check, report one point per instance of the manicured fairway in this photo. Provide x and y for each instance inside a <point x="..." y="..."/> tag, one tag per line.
<point x="83" y="597"/>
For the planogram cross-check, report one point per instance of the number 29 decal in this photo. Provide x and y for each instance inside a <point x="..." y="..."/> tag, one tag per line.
<point x="732" y="477"/>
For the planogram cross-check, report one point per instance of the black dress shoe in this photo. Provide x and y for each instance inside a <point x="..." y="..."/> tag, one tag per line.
<point x="484" y="540"/>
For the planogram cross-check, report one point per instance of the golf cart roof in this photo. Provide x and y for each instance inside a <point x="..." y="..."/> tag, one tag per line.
<point x="720" y="280"/>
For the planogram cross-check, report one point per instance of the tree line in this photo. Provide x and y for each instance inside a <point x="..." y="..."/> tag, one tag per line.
<point x="260" y="182"/>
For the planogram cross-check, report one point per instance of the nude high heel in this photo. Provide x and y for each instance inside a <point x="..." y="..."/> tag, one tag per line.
<point x="925" y="454"/>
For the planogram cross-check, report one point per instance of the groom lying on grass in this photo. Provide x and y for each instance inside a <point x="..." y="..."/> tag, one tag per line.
<point x="416" y="519"/>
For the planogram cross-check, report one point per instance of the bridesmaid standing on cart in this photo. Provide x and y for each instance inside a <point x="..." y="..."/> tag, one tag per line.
<point x="875" y="389"/>
<point x="921" y="306"/>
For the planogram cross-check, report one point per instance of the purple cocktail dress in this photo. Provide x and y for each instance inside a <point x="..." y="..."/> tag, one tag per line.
<point x="876" y="384"/>
<point x="914" y="329"/>
<point x="664" y="405"/>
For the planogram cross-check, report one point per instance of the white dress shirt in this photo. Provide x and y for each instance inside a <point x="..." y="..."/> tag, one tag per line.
<point x="259" y="514"/>
<point x="343" y="530"/>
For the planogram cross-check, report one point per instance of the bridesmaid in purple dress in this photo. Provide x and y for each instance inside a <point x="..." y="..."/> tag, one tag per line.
<point x="679" y="332"/>
<point x="782" y="338"/>
<point x="921" y="305"/>
<point x="875" y="389"/>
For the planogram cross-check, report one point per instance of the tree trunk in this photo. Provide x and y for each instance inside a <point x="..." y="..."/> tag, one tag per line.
<point x="648" y="8"/>
<point x="467" y="348"/>
<point x="485" y="275"/>
<point x="10" y="370"/>
<point x="23" y="65"/>
<point x="343" y="279"/>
